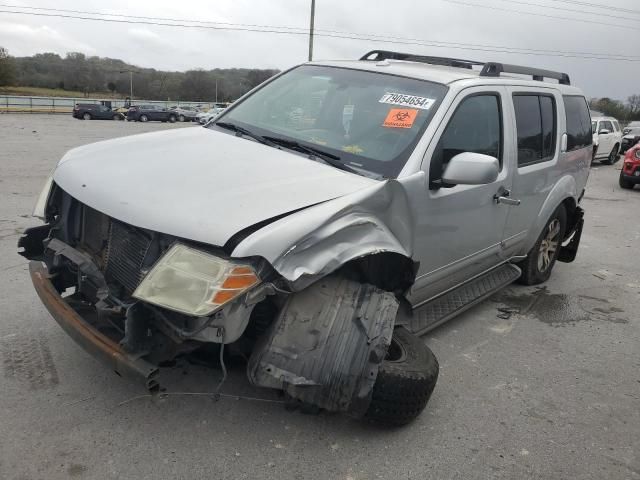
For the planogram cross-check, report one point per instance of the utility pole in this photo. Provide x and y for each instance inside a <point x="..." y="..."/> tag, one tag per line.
<point x="313" y="14"/>
<point x="130" y="82"/>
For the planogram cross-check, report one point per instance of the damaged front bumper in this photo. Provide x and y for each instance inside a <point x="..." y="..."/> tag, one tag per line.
<point x="88" y="337"/>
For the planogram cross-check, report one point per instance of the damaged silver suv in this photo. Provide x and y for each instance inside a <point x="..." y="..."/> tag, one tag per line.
<point x="319" y="225"/>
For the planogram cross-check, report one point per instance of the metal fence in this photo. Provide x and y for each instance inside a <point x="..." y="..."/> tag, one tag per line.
<point x="20" y="104"/>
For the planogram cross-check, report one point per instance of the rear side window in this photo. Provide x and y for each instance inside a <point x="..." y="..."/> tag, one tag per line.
<point x="537" y="127"/>
<point x="578" y="123"/>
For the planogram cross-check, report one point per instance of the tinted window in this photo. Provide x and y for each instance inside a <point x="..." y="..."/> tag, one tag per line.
<point x="578" y="123"/>
<point x="606" y="126"/>
<point x="536" y="124"/>
<point x="476" y="126"/>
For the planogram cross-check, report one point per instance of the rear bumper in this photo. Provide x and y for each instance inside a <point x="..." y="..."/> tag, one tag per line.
<point x="631" y="178"/>
<point x="89" y="338"/>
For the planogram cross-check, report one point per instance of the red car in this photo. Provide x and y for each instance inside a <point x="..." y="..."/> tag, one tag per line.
<point x="630" y="173"/>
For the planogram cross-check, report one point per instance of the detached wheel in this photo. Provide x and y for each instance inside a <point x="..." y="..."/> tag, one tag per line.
<point x="405" y="382"/>
<point x="86" y="116"/>
<point x="536" y="268"/>
<point x="624" y="183"/>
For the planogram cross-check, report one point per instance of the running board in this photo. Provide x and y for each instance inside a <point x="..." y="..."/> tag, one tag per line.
<point x="454" y="302"/>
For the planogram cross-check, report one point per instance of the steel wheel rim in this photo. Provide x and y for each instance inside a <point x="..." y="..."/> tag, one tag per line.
<point x="549" y="245"/>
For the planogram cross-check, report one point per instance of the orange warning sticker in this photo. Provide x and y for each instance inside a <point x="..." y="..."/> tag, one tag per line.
<point x="400" y="118"/>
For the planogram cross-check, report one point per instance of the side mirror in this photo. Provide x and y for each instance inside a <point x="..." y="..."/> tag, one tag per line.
<point x="604" y="131"/>
<point x="470" y="168"/>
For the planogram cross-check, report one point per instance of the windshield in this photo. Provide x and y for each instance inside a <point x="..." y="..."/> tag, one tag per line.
<point x="369" y="121"/>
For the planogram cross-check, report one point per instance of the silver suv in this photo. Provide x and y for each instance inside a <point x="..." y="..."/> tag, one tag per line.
<point x="319" y="225"/>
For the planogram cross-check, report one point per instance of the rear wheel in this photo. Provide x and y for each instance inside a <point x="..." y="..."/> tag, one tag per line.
<point x="181" y="118"/>
<point x="624" y="183"/>
<point x="86" y="116"/>
<point x="172" y="119"/>
<point x="536" y="268"/>
<point x="613" y="156"/>
<point x="405" y="382"/>
<point x="144" y="118"/>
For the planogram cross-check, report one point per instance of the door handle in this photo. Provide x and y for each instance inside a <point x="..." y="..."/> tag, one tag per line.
<point x="503" y="196"/>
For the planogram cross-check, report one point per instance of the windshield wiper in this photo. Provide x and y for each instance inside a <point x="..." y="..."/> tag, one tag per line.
<point x="243" y="131"/>
<point x="327" y="157"/>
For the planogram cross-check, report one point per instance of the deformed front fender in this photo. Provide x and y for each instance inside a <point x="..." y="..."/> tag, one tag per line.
<point x="314" y="242"/>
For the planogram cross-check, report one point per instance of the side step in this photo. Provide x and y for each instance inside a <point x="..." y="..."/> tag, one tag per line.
<point x="454" y="302"/>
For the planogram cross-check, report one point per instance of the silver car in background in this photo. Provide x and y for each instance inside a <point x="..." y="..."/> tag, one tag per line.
<point x="319" y="225"/>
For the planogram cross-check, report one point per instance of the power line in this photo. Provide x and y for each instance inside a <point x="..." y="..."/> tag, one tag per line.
<point x="573" y="19"/>
<point x="599" y="5"/>
<point x="572" y="10"/>
<point x="350" y="36"/>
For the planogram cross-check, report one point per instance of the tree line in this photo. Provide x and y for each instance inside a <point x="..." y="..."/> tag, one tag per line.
<point x="625" y="112"/>
<point x="90" y="74"/>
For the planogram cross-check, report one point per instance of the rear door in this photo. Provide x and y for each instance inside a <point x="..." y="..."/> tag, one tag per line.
<point x="537" y="118"/>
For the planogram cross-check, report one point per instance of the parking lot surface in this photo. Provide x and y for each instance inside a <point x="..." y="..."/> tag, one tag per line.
<point x="537" y="383"/>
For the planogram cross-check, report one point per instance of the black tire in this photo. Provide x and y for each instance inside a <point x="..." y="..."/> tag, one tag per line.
<point x="613" y="156"/>
<point x="624" y="183"/>
<point x="405" y="382"/>
<point x="143" y="118"/>
<point x="532" y="272"/>
<point x="172" y="119"/>
<point x="87" y="116"/>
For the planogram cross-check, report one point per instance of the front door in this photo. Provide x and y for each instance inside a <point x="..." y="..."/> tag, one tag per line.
<point x="459" y="229"/>
<point x="605" y="140"/>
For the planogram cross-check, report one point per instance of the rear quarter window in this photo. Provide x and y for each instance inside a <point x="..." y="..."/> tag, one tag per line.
<point x="578" y="122"/>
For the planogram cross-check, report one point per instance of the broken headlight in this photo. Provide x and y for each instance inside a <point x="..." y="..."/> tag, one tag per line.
<point x="193" y="282"/>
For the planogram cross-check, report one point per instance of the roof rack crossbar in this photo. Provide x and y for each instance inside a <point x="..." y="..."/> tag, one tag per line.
<point x="380" y="55"/>
<point x="493" y="69"/>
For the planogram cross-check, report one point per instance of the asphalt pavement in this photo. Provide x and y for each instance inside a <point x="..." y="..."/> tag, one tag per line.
<point x="540" y="383"/>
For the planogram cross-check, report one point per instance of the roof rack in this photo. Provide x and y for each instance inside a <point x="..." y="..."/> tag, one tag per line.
<point x="490" y="69"/>
<point x="380" y="55"/>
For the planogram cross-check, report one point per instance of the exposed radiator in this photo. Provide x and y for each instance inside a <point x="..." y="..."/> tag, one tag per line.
<point x="126" y="250"/>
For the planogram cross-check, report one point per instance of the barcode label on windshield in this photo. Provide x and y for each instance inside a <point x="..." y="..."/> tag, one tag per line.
<point x="407" y="100"/>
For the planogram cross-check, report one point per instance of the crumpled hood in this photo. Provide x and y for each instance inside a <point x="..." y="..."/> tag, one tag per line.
<point x="197" y="183"/>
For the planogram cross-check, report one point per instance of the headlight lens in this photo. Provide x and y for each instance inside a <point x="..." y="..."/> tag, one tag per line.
<point x="193" y="282"/>
<point x="638" y="153"/>
<point x="39" y="209"/>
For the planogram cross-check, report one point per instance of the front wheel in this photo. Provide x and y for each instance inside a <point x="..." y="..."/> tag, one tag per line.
<point x="536" y="268"/>
<point x="405" y="382"/>
<point x="181" y="118"/>
<point x="172" y="119"/>
<point x="624" y="183"/>
<point x="144" y="118"/>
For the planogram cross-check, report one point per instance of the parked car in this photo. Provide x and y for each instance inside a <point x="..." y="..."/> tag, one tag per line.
<point x="317" y="247"/>
<point x="94" y="111"/>
<point x="185" y="113"/>
<point x="205" y="117"/>
<point x="629" y="127"/>
<point x="607" y="139"/>
<point x="631" y="138"/>
<point x="630" y="173"/>
<point x="147" y="113"/>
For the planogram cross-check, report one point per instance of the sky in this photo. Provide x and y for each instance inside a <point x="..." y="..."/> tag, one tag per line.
<point x="546" y="29"/>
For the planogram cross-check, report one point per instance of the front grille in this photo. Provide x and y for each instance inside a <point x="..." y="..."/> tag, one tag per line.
<point x="126" y="250"/>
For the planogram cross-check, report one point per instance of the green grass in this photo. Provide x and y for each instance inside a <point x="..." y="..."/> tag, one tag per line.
<point x="55" y="92"/>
